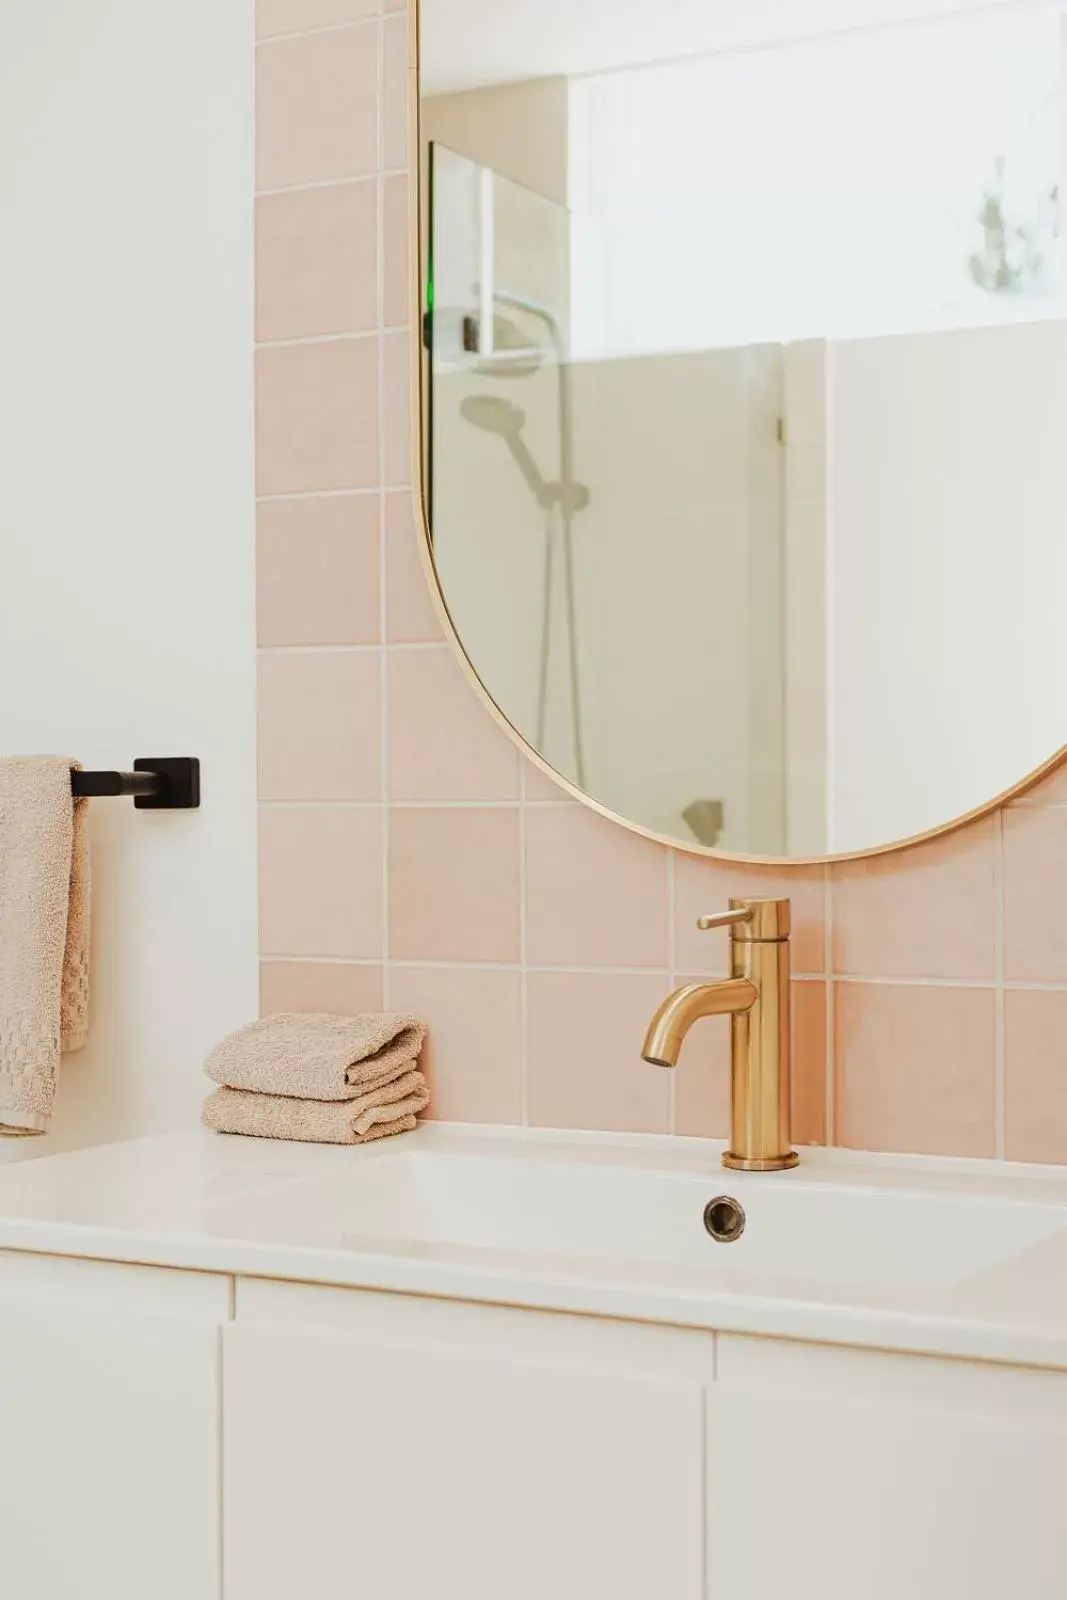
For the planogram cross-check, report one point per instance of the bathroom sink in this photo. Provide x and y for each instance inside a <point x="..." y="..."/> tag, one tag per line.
<point x="959" y="1258"/>
<point x="583" y="1206"/>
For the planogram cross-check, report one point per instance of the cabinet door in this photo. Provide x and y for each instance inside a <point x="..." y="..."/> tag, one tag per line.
<point x="109" y="1432"/>
<point x="388" y="1465"/>
<point x="836" y="1474"/>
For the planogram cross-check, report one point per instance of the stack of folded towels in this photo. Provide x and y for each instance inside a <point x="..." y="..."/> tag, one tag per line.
<point x="331" y="1080"/>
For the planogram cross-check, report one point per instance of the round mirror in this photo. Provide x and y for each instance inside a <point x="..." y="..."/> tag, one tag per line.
<point x="745" y="399"/>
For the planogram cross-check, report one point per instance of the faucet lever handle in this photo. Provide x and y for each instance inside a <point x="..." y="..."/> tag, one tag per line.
<point x="764" y="920"/>
<point x="724" y="919"/>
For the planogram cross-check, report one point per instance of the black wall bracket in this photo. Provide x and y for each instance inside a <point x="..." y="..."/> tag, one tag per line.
<point x="157" y="783"/>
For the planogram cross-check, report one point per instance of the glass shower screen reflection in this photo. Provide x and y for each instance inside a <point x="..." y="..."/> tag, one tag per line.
<point x="503" y="504"/>
<point x="600" y="525"/>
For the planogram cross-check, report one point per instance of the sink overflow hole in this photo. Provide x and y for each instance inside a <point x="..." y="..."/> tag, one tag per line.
<point x="724" y="1218"/>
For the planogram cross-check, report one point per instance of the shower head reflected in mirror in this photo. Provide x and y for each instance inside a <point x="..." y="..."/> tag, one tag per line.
<point x="508" y="353"/>
<point x="492" y="414"/>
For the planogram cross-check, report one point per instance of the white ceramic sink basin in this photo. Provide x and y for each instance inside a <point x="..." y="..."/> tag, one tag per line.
<point x="534" y="1201"/>
<point x="959" y="1258"/>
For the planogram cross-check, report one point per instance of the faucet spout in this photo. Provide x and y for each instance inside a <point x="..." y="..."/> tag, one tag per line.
<point x="756" y="999"/>
<point x="668" y="1028"/>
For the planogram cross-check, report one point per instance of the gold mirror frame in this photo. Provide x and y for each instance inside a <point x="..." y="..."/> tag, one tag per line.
<point x="419" y="413"/>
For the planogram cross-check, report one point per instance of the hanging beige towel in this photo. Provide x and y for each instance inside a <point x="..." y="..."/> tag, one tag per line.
<point x="389" y="1109"/>
<point x="44" y="935"/>
<point x="316" y="1056"/>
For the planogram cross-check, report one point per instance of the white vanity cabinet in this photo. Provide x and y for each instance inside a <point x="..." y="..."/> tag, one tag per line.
<point x="279" y="1407"/>
<point x="398" y="1447"/>
<point x="836" y="1474"/>
<point x="177" y="1435"/>
<point x="109" y="1430"/>
<point x="190" y="1436"/>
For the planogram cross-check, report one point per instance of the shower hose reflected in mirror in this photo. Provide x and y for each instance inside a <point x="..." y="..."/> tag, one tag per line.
<point x="493" y="414"/>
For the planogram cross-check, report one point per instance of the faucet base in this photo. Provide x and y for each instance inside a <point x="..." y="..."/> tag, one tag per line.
<point x="760" y="1163"/>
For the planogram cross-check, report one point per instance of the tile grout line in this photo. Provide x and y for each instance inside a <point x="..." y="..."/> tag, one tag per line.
<point x="347" y="335"/>
<point x="999" y="1004"/>
<point x="352" y="649"/>
<point x="830" y="1064"/>
<point x="361" y="178"/>
<point x="255" y="559"/>
<point x="318" y="494"/>
<point x="322" y="27"/>
<point x="524" y="975"/>
<point x="672" y="977"/>
<point x="383" y="604"/>
<point x="344" y="336"/>
<point x="277" y="804"/>
<point x="980" y="985"/>
<point x="306" y="184"/>
<point x="465" y="966"/>
<point x="500" y="966"/>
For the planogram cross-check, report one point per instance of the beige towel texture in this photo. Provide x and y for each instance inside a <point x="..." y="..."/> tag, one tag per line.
<point x="390" y="1108"/>
<point x="44" y="935"/>
<point x="316" y="1056"/>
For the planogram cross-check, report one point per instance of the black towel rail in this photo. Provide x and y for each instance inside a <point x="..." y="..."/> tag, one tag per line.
<point x="157" y="783"/>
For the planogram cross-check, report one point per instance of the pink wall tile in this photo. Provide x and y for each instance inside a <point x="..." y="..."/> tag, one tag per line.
<point x="396" y="224"/>
<point x="915" y="1069"/>
<point x="1035" y="1075"/>
<point x="317" y="416"/>
<point x="473" y="1056"/>
<point x="396" y="408"/>
<point x="399" y="89"/>
<point x="1051" y="791"/>
<point x="703" y="886"/>
<point x="442" y="746"/>
<point x="702" y="1077"/>
<point x="320" y="725"/>
<point x="339" y="987"/>
<point x="317" y="107"/>
<point x="539" y="786"/>
<point x="1035" y="869"/>
<point x="410" y="614"/>
<point x="317" y="261"/>
<point x="320" y="882"/>
<point x="292" y="16"/>
<point x="809" y="1005"/>
<point x="927" y="913"/>
<point x="585" y="1067"/>
<point x="317" y="570"/>
<point x="914" y="1064"/>
<point x="596" y="896"/>
<point x="454" y="884"/>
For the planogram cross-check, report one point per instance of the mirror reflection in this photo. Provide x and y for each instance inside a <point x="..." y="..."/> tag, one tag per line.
<point x="745" y="400"/>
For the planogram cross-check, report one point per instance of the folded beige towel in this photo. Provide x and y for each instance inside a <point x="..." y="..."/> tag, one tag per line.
<point x="44" y="935"/>
<point x="387" y="1109"/>
<point x="315" y="1056"/>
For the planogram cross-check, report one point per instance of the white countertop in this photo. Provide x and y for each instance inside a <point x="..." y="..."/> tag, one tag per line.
<point x="956" y="1258"/>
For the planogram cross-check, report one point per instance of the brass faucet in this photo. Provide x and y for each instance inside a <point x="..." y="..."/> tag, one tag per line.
<point x="756" y="998"/>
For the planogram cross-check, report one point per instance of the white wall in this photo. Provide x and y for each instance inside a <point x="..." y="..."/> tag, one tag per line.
<point x="467" y="43"/>
<point x="126" y="518"/>
<point x="807" y="648"/>
<point x="948" y="571"/>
